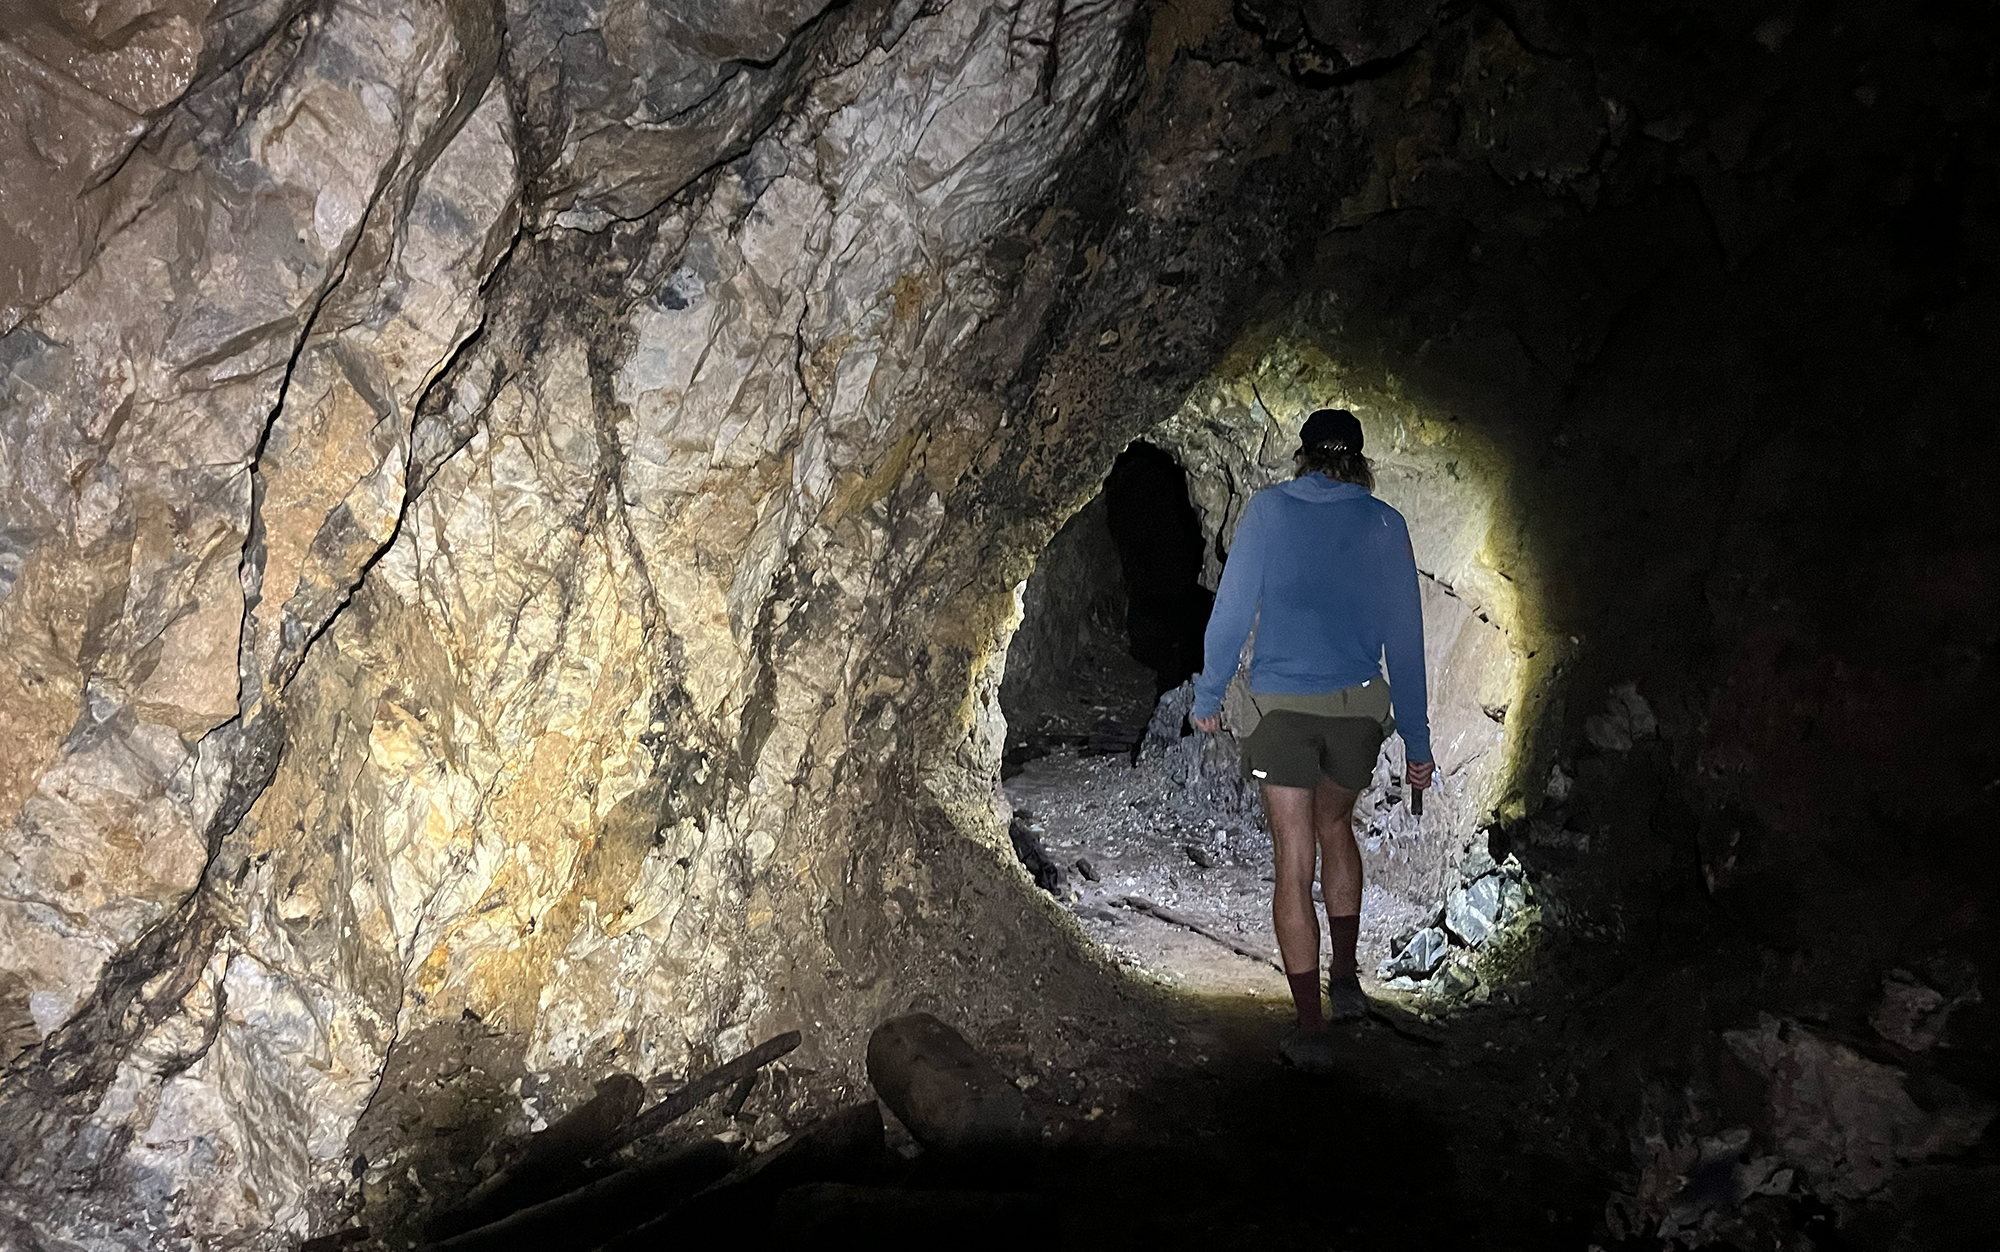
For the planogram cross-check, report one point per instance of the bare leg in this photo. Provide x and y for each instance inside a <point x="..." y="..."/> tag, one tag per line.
<point x="1293" y="843"/>
<point x="1340" y="881"/>
<point x="1340" y="860"/>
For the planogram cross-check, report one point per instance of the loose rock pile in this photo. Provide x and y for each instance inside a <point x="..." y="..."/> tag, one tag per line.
<point x="1439" y="957"/>
<point x="1208" y="767"/>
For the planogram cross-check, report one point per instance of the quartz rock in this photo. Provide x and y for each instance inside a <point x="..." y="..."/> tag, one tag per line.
<point x="1419" y="956"/>
<point x="203" y="421"/>
<point x="1473" y="912"/>
<point x="1479" y="861"/>
<point x="403" y="616"/>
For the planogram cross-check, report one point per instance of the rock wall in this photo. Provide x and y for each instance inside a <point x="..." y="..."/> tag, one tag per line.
<point x="409" y="618"/>
<point x="209" y="436"/>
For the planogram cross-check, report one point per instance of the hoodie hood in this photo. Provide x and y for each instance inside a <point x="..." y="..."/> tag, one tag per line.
<point x="1319" y="489"/>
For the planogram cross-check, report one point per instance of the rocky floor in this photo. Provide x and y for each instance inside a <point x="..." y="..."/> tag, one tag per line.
<point x="1100" y="709"/>
<point x="1118" y="829"/>
<point x="1166" y="1118"/>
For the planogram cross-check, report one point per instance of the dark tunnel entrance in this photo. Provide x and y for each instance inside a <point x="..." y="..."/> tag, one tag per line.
<point x="1112" y="621"/>
<point x="1111" y="618"/>
<point x="1160" y="552"/>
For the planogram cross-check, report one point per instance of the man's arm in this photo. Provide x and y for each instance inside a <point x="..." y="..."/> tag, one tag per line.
<point x="1405" y="648"/>
<point x="1229" y="621"/>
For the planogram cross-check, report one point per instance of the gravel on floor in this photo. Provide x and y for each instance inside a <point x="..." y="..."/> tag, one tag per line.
<point x="1142" y="836"/>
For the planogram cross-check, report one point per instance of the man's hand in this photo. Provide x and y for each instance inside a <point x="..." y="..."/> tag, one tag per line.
<point x="1212" y="723"/>
<point x="1419" y="773"/>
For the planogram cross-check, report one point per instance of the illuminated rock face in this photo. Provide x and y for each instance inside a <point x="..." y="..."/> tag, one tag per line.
<point x="208" y="436"/>
<point x="383" y="646"/>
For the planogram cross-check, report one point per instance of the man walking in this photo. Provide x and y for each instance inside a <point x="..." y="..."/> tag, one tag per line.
<point x="1326" y="573"/>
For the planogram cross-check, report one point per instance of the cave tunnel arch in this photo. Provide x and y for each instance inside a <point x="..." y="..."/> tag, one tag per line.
<point x="1113" y="617"/>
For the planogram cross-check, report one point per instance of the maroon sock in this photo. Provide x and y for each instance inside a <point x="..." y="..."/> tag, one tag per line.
<point x="1305" y="994"/>
<point x="1344" y="932"/>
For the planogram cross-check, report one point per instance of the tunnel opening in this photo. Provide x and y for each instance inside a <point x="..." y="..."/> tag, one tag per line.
<point x="1159" y="541"/>
<point x="1111" y="618"/>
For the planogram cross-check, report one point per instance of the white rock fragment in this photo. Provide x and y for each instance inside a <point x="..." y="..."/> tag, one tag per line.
<point x="1627" y="718"/>
<point x="1419" y="956"/>
<point x="1559" y="784"/>
<point x="1475" y="911"/>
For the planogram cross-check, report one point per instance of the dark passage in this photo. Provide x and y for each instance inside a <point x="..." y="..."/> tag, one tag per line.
<point x="1159" y="548"/>
<point x="1112" y="616"/>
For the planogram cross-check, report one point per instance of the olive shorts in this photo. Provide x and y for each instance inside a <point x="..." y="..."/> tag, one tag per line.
<point x="1292" y="749"/>
<point x="1298" y="739"/>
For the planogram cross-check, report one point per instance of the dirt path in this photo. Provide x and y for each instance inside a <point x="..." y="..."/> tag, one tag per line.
<point x="1453" y="1143"/>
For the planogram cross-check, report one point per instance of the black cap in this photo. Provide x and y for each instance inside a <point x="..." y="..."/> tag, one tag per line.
<point x="1331" y="426"/>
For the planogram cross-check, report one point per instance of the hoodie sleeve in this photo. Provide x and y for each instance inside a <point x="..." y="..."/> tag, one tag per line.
<point x="1403" y="635"/>
<point x="1235" y="609"/>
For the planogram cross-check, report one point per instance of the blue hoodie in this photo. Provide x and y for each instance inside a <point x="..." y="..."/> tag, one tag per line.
<point x="1326" y="573"/>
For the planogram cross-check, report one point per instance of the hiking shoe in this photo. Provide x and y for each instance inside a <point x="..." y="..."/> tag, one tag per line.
<point x="1310" y="1053"/>
<point x="1348" y="1002"/>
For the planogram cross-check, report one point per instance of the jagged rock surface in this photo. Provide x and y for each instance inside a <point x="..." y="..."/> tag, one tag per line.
<point x="421" y="678"/>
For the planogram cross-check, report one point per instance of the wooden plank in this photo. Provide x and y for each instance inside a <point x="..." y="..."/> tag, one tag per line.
<point x="681" y="1102"/>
